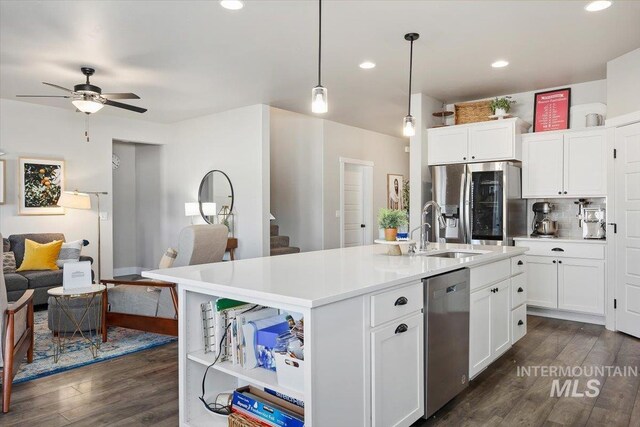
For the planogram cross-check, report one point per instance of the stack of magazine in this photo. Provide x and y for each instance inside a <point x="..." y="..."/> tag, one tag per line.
<point x="266" y="408"/>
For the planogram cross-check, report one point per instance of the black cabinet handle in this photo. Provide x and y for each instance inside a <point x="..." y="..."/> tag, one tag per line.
<point x="520" y="263"/>
<point x="402" y="328"/>
<point x="473" y="157"/>
<point x="565" y="192"/>
<point x="362" y="226"/>
<point x="520" y="323"/>
<point x="559" y="262"/>
<point x="554" y="261"/>
<point x="464" y="158"/>
<point x="557" y="250"/>
<point x="401" y="301"/>
<point x="559" y="192"/>
<point x="520" y="290"/>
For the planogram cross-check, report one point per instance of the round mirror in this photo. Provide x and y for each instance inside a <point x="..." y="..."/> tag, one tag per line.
<point x="215" y="196"/>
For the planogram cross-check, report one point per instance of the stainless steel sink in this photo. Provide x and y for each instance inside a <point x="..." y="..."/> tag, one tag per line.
<point x="453" y="254"/>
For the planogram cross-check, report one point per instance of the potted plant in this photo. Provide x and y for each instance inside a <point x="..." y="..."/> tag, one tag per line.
<point x="501" y="106"/>
<point x="390" y="220"/>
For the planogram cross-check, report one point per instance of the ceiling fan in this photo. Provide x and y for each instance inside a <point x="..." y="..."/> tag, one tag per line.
<point x="88" y="98"/>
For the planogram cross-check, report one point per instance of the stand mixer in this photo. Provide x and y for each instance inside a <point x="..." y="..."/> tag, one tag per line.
<point x="542" y="225"/>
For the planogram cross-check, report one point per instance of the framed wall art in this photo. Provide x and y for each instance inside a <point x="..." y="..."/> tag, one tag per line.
<point x="41" y="184"/>
<point x="394" y="191"/>
<point x="551" y="110"/>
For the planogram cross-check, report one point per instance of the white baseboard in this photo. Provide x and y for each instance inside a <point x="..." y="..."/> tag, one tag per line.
<point x="566" y="315"/>
<point x="127" y="271"/>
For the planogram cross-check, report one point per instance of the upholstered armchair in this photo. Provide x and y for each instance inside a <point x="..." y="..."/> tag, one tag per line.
<point x="16" y="328"/>
<point x="151" y="305"/>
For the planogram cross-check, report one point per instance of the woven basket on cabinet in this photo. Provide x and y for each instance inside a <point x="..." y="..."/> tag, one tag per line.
<point x="473" y="112"/>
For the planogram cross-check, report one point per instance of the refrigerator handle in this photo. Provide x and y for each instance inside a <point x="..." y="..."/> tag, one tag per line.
<point x="463" y="215"/>
<point x="467" y="207"/>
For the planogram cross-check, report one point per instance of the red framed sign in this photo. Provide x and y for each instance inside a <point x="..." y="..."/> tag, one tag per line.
<point x="551" y="110"/>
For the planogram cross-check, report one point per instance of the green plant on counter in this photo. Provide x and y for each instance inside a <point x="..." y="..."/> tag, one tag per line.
<point x="501" y="103"/>
<point x="391" y="218"/>
<point x="405" y="196"/>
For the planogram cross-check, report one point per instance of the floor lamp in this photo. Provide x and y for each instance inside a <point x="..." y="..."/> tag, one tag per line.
<point x="82" y="200"/>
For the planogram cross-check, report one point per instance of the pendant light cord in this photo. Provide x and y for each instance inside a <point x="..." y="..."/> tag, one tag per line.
<point x="319" y="41"/>
<point x="410" y="75"/>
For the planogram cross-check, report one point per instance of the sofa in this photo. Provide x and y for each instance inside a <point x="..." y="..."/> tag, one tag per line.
<point x="39" y="281"/>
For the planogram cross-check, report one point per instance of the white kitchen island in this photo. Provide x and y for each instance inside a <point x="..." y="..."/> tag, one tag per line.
<point x="357" y="372"/>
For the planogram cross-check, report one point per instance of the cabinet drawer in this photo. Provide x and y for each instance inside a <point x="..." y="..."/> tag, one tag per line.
<point x="518" y="265"/>
<point x="518" y="290"/>
<point x="518" y="323"/>
<point x="564" y="249"/>
<point x="396" y="303"/>
<point x="490" y="273"/>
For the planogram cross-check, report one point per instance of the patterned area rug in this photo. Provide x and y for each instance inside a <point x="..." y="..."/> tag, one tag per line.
<point x="120" y="341"/>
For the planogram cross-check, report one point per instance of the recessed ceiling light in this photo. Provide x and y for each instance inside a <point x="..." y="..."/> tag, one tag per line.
<point x="232" y="4"/>
<point x="596" y="6"/>
<point x="367" y="65"/>
<point x="500" y="63"/>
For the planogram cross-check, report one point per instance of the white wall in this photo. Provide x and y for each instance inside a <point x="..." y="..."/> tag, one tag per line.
<point x="296" y="177"/>
<point x="149" y="176"/>
<point x="37" y="131"/>
<point x="581" y="93"/>
<point x="386" y="152"/>
<point x="623" y="84"/>
<point x="235" y="142"/>
<point x="125" y="255"/>
<point x="305" y="171"/>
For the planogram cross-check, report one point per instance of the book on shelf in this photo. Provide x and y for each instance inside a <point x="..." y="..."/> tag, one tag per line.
<point x="266" y="408"/>
<point x="258" y="342"/>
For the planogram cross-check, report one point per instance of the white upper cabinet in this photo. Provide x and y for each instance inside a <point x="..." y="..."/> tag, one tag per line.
<point x="476" y="142"/>
<point x="448" y="145"/>
<point x="585" y="167"/>
<point x="565" y="164"/>
<point x="542" y="163"/>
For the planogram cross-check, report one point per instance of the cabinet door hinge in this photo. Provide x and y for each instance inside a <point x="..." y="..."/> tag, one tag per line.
<point x="615" y="153"/>
<point x="615" y="303"/>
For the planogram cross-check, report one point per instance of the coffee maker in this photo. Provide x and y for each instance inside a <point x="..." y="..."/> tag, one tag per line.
<point x="542" y="225"/>
<point x="593" y="223"/>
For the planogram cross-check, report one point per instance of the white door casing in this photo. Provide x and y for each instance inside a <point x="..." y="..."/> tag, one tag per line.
<point x="356" y="203"/>
<point x="627" y="218"/>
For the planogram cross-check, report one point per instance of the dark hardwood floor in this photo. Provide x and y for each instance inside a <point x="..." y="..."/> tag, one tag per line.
<point x="142" y="389"/>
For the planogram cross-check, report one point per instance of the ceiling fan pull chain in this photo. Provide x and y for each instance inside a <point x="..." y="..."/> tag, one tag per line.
<point x="86" y="126"/>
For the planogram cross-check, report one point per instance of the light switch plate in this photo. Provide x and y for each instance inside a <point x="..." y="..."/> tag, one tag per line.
<point x="337" y="214"/>
<point x="104" y="216"/>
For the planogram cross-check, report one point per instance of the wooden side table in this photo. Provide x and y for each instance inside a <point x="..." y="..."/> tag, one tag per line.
<point x="232" y="245"/>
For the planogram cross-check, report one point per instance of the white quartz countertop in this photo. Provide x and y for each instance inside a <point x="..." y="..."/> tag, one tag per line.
<point x="562" y="240"/>
<point x="313" y="279"/>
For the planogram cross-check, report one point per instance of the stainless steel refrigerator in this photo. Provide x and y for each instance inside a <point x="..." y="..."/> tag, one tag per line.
<point x="481" y="203"/>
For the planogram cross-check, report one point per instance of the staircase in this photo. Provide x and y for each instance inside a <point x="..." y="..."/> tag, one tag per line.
<point x="280" y="244"/>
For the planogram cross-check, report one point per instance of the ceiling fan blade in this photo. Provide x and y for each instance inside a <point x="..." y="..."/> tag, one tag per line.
<point x="59" y="87"/>
<point x="42" y="96"/>
<point x="120" y="96"/>
<point x="125" y="106"/>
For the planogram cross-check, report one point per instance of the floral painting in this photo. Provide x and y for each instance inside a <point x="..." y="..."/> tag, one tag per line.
<point x="41" y="183"/>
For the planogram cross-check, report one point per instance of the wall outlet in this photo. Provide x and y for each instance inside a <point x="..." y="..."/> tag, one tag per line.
<point x="337" y="214"/>
<point x="104" y="216"/>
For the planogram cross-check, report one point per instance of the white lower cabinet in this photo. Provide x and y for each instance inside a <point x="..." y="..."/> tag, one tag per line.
<point x="581" y="285"/>
<point x="489" y="328"/>
<point x="543" y="281"/>
<point x="397" y="362"/>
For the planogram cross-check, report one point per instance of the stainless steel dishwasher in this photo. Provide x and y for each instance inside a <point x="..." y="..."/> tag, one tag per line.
<point x="446" y="299"/>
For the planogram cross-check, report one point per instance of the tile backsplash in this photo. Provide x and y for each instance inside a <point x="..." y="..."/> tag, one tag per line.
<point x="565" y="212"/>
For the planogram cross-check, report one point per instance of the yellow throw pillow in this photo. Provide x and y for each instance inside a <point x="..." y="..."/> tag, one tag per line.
<point x="40" y="256"/>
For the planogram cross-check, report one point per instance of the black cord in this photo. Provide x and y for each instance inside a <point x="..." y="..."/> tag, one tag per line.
<point x="216" y="407"/>
<point x="319" y="41"/>
<point x="410" y="75"/>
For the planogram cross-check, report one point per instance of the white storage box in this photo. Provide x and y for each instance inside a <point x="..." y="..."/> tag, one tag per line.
<point x="290" y="372"/>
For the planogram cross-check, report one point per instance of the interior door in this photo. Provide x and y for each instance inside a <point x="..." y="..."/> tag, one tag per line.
<point x="353" y="193"/>
<point x="627" y="214"/>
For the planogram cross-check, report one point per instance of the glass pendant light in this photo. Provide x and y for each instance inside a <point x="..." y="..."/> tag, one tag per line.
<point x="409" y="122"/>
<point x="319" y="93"/>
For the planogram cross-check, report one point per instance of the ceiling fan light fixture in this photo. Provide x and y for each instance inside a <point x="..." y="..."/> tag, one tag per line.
<point x="232" y="4"/>
<point x="89" y="106"/>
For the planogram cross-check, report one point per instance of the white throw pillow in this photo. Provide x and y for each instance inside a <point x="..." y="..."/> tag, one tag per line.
<point x="70" y="252"/>
<point x="168" y="258"/>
